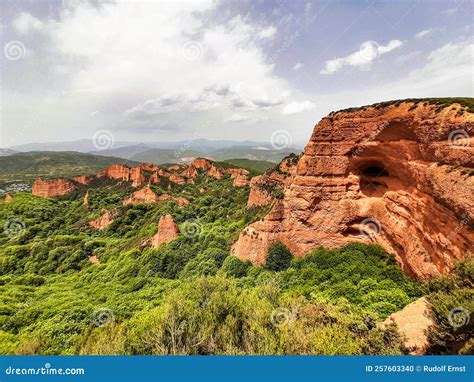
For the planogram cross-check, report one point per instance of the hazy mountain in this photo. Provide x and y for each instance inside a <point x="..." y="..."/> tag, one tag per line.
<point x="6" y="152"/>
<point x="261" y="154"/>
<point x="132" y="148"/>
<point x="160" y="156"/>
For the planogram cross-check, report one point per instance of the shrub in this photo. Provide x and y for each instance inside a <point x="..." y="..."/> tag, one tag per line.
<point x="278" y="258"/>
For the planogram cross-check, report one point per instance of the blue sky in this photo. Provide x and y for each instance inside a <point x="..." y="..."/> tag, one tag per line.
<point x="151" y="71"/>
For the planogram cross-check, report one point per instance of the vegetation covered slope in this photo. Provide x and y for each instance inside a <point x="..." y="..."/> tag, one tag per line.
<point x="188" y="296"/>
<point x="28" y="166"/>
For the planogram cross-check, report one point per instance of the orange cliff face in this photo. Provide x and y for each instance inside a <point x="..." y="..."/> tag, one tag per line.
<point x="167" y="231"/>
<point x="103" y="221"/>
<point x="391" y="175"/>
<point x="47" y="188"/>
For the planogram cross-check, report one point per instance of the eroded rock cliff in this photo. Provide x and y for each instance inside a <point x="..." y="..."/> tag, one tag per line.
<point x="47" y="188"/>
<point x="399" y="175"/>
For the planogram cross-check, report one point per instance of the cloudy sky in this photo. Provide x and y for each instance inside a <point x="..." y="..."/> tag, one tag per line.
<point x="164" y="71"/>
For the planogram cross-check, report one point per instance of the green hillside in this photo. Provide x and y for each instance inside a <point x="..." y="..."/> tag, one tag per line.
<point x="24" y="167"/>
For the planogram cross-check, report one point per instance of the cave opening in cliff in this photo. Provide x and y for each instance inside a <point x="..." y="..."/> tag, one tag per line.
<point x="373" y="179"/>
<point x="374" y="171"/>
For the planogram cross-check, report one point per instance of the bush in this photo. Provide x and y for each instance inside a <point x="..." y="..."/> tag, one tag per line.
<point x="278" y="258"/>
<point x="234" y="267"/>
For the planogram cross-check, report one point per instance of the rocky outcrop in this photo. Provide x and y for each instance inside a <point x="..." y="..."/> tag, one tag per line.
<point x="202" y="164"/>
<point x="47" y="188"/>
<point x="85" y="200"/>
<point x="136" y="176"/>
<point x="178" y="179"/>
<point x="240" y="180"/>
<point x="146" y="195"/>
<point x="216" y="172"/>
<point x="265" y="188"/>
<point x="395" y="175"/>
<point x="7" y="198"/>
<point x="104" y="220"/>
<point x="167" y="231"/>
<point x="84" y="179"/>
<point x="116" y="171"/>
<point x="414" y="322"/>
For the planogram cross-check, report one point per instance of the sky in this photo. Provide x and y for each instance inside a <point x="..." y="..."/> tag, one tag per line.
<point x="151" y="71"/>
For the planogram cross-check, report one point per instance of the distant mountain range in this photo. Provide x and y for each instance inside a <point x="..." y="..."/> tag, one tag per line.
<point x="167" y="152"/>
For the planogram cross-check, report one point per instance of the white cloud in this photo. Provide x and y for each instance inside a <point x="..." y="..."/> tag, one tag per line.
<point x="298" y="66"/>
<point x="423" y="33"/>
<point x="362" y="59"/>
<point x="237" y="118"/>
<point x="25" y="23"/>
<point x="268" y="33"/>
<point x="139" y="61"/>
<point x="297" y="107"/>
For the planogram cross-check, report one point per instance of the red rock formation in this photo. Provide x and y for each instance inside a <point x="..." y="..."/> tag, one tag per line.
<point x="167" y="231"/>
<point x="216" y="172"/>
<point x="235" y="172"/>
<point x="103" y="221"/>
<point x="148" y="167"/>
<point x="136" y="176"/>
<point x="116" y="171"/>
<point x="175" y="167"/>
<point x="154" y="178"/>
<point x="414" y="322"/>
<point x="85" y="200"/>
<point x="382" y="175"/>
<point x="7" y="198"/>
<point x="202" y="164"/>
<point x="178" y="179"/>
<point x="47" y="188"/>
<point x="84" y="179"/>
<point x="94" y="260"/>
<point x="240" y="180"/>
<point x="144" y="196"/>
<point x="264" y="187"/>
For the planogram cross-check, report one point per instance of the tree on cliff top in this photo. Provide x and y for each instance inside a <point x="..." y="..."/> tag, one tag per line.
<point x="279" y="257"/>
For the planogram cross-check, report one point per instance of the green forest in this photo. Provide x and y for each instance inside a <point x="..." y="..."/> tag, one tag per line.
<point x="190" y="296"/>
